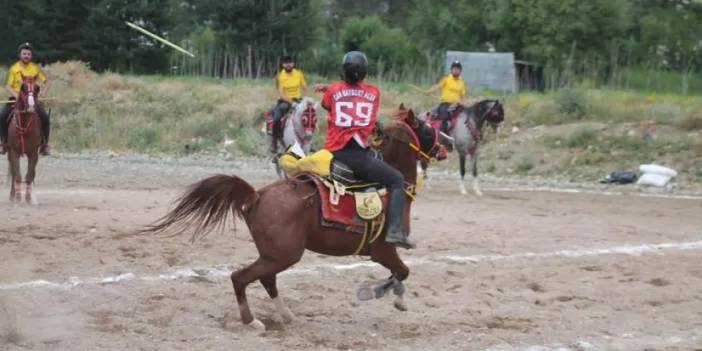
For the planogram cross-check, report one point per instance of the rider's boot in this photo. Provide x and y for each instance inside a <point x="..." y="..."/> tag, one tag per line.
<point x="445" y="127"/>
<point x="275" y="135"/>
<point x="396" y="233"/>
<point x="44" y="149"/>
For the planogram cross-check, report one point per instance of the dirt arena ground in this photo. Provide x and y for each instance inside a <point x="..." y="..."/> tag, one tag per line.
<point x="515" y="270"/>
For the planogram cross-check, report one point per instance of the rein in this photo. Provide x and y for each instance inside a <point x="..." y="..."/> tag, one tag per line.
<point x="416" y="146"/>
<point x="22" y="131"/>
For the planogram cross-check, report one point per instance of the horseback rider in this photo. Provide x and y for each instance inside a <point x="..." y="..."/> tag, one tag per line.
<point x="24" y="68"/>
<point x="291" y="84"/>
<point x="453" y="90"/>
<point x="353" y="114"/>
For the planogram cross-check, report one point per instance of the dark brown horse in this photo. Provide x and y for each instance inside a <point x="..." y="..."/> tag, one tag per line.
<point x="284" y="218"/>
<point x="24" y="139"/>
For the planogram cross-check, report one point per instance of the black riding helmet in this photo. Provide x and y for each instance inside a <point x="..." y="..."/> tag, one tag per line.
<point x="355" y="66"/>
<point x="288" y="59"/>
<point x="456" y="64"/>
<point x="25" y="46"/>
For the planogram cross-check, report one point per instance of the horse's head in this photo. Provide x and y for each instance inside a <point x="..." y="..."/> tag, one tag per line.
<point x="490" y="111"/>
<point x="308" y="118"/>
<point x="29" y="92"/>
<point x="418" y="135"/>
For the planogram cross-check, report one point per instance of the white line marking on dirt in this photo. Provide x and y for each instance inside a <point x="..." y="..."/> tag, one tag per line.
<point x="220" y="271"/>
<point x="594" y="192"/>
<point x="516" y="188"/>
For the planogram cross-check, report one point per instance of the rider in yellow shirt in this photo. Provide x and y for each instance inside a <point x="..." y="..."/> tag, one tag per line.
<point x="453" y="90"/>
<point x="291" y="84"/>
<point x="24" y="67"/>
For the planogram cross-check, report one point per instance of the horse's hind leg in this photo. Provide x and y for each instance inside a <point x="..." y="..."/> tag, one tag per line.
<point x="16" y="183"/>
<point x="262" y="268"/>
<point x="387" y="256"/>
<point x="269" y="283"/>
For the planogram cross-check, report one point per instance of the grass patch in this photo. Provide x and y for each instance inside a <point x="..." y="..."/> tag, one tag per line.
<point x="692" y="121"/>
<point x="582" y="137"/>
<point x="525" y="164"/>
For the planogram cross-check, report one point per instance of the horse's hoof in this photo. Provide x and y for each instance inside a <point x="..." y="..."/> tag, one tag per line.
<point x="365" y="293"/>
<point x="400" y="305"/>
<point x="284" y="311"/>
<point x="288" y="317"/>
<point x="257" y="325"/>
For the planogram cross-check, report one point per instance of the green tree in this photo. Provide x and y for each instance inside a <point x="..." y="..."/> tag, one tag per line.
<point x="380" y="42"/>
<point x="670" y="34"/>
<point x="555" y="30"/>
<point x="440" y="25"/>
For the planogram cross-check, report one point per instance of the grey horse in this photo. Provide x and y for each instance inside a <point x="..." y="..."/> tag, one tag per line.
<point x="467" y="133"/>
<point x="299" y="127"/>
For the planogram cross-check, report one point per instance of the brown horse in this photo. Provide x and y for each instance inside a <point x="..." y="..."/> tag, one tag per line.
<point x="284" y="218"/>
<point x="24" y="139"/>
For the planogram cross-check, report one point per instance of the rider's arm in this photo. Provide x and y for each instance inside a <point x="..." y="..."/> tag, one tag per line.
<point x="8" y="88"/>
<point x="8" y="85"/>
<point x="435" y="87"/>
<point x="326" y="99"/>
<point x="279" y="87"/>
<point x="45" y="88"/>
<point x="45" y="82"/>
<point x="304" y="84"/>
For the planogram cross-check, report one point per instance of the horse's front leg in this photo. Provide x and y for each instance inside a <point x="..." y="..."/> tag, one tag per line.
<point x="386" y="255"/>
<point x="462" y="169"/>
<point x="33" y="159"/>
<point x="474" y="170"/>
<point x="424" y="165"/>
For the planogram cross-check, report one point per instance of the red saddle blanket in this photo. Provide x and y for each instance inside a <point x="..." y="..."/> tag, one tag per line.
<point x="268" y="115"/>
<point x="435" y="122"/>
<point x="341" y="215"/>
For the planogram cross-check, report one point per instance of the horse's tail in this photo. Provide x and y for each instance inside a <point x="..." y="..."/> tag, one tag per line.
<point x="206" y="205"/>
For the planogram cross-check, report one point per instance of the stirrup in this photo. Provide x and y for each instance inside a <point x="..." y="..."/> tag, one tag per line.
<point x="403" y="243"/>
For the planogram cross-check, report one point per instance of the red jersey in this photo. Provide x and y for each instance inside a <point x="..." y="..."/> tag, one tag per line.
<point x="353" y="113"/>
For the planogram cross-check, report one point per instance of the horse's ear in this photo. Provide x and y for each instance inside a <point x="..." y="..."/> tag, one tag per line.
<point x="402" y="107"/>
<point x="411" y="118"/>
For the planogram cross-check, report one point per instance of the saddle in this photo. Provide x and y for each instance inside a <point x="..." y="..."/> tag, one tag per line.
<point x="268" y="123"/>
<point x="433" y="116"/>
<point x="347" y="203"/>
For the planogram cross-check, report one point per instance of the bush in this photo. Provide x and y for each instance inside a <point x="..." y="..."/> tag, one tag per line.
<point x="572" y="103"/>
<point x="582" y="137"/>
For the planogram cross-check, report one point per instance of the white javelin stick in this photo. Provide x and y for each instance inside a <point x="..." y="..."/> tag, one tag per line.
<point x="134" y="26"/>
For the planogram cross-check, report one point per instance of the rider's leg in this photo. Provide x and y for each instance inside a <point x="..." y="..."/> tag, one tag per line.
<point x="374" y="170"/>
<point x="444" y="116"/>
<point x="45" y="129"/>
<point x="279" y="111"/>
<point x="4" y="115"/>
